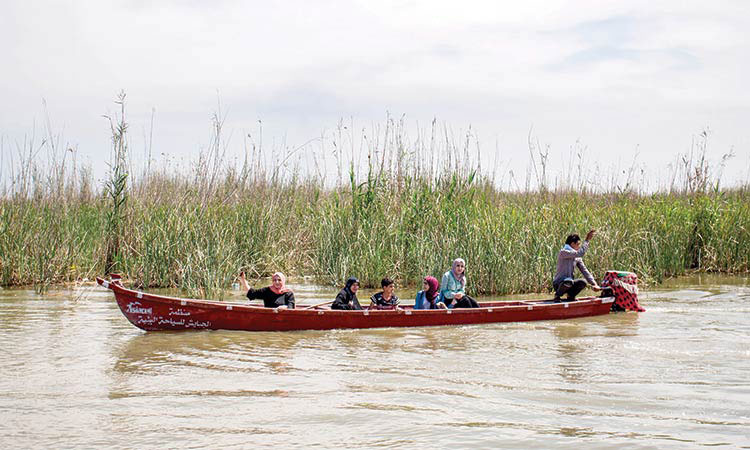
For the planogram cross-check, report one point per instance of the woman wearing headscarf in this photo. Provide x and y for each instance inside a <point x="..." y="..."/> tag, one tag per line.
<point x="453" y="285"/>
<point x="427" y="298"/>
<point x="277" y="295"/>
<point x="347" y="298"/>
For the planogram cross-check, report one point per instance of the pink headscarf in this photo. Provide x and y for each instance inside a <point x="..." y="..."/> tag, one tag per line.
<point x="283" y="289"/>
<point x="460" y="278"/>
<point x="432" y="291"/>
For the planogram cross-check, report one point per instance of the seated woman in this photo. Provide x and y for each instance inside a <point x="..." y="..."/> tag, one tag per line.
<point x="427" y="298"/>
<point x="385" y="299"/>
<point x="277" y="295"/>
<point x="347" y="298"/>
<point x="453" y="285"/>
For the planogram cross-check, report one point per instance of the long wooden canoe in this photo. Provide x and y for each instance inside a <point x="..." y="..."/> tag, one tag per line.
<point x="156" y="312"/>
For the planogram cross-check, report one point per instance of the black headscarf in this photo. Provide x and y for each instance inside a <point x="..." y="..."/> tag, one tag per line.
<point x="346" y="298"/>
<point x="349" y="283"/>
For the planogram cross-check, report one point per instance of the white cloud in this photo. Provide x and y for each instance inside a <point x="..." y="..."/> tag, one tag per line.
<point x="604" y="72"/>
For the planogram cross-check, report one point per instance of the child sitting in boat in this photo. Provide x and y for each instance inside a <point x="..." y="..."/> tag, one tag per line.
<point x="570" y="257"/>
<point x="453" y="285"/>
<point x="428" y="297"/>
<point x="385" y="299"/>
<point x="347" y="298"/>
<point x="277" y="295"/>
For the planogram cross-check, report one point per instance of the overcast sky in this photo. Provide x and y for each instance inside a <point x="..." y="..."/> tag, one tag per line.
<point x="621" y="79"/>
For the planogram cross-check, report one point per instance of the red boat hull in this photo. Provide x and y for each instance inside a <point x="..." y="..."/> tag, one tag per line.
<point x="155" y="313"/>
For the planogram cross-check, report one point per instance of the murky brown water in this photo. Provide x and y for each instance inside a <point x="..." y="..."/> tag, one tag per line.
<point x="75" y="373"/>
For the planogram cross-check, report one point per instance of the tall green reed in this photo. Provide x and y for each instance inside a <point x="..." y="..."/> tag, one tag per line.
<point x="408" y="212"/>
<point x="116" y="187"/>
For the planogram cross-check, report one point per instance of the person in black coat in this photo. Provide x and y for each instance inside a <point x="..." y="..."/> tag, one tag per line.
<point x="347" y="298"/>
<point x="277" y="295"/>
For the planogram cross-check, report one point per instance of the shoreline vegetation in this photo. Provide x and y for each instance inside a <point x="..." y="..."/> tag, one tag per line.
<point x="405" y="210"/>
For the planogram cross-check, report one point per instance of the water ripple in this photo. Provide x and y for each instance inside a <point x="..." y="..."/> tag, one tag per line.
<point x="73" y="370"/>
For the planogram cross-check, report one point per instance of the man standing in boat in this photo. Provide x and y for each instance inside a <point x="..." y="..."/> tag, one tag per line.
<point x="570" y="257"/>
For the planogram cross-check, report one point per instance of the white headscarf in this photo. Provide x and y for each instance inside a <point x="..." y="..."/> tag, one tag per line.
<point x="462" y="277"/>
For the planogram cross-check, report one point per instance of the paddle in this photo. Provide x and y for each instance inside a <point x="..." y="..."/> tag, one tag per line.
<point x="319" y="304"/>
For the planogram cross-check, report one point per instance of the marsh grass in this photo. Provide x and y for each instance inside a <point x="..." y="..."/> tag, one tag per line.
<point x="116" y="187"/>
<point x="405" y="211"/>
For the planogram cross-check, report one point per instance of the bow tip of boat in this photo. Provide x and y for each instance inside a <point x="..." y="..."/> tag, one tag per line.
<point x="113" y="279"/>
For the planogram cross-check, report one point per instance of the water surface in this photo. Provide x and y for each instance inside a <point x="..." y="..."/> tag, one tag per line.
<point x="75" y="373"/>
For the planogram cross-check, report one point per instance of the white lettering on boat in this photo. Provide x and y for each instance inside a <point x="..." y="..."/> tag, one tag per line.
<point x="135" y="308"/>
<point x="189" y="323"/>
<point x="167" y="322"/>
<point x="178" y="312"/>
<point x="172" y="322"/>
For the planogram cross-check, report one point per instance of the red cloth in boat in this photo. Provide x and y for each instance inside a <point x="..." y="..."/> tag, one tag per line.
<point x="625" y="288"/>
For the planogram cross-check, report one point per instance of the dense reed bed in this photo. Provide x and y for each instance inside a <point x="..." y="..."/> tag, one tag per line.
<point x="406" y="231"/>
<point x="404" y="214"/>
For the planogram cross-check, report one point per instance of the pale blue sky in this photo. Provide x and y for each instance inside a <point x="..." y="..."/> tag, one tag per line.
<point x="616" y="78"/>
